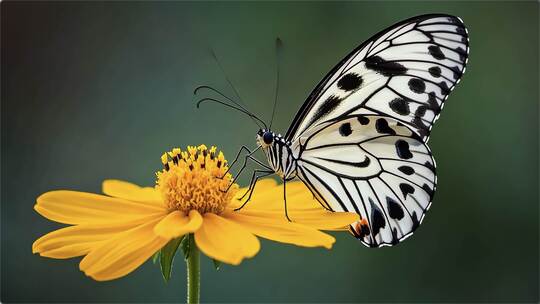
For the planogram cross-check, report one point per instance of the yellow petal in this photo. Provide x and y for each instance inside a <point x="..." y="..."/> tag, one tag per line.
<point x="281" y="230"/>
<point x="79" y="240"/>
<point x="123" y="253"/>
<point x="269" y="196"/>
<point x="225" y="240"/>
<point x="315" y="218"/>
<point x="131" y="192"/>
<point x="264" y="188"/>
<point x="176" y="224"/>
<point x="326" y="220"/>
<point x="267" y="201"/>
<point x="73" y="207"/>
<point x="70" y="251"/>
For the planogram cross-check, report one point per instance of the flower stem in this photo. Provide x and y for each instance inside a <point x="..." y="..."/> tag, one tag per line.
<point x="193" y="272"/>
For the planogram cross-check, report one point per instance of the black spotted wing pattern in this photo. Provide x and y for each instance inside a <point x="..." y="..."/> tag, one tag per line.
<point x="372" y="165"/>
<point x="405" y="72"/>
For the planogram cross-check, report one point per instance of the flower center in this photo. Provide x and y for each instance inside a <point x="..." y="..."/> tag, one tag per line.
<point x="195" y="179"/>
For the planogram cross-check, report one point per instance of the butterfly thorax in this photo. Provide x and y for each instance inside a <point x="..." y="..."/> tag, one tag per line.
<point x="278" y="153"/>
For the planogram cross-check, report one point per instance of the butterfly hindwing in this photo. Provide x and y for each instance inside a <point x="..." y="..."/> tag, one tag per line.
<point x="372" y="165"/>
<point x="405" y="72"/>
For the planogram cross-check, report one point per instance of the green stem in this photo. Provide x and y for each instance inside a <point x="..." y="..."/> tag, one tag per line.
<point x="193" y="272"/>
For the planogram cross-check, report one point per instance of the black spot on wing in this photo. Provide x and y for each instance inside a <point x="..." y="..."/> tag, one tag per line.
<point x="377" y="218"/>
<point x="363" y="120"/>
<point x="420" y="111"/>
<point x="381" y="125"/>
<point x="436" y="52"/>
<point x="428" y="190"/>
<point x="326" y="107"/>
<point x="395" y="239"/>
<point x="406" y="170"/>
<point x="345" y="129"/>
<point x="457" y="72"/>
<point x="381" y="66"/>
<point x="444" y="88"/>
<point x="364" y="232"/>
<point x="406" y="189"/>
<point x="435" y="71"/>
<point x="394" y="209"/>
<point x="462" y="53"/>
<point x="402" y="149"/>
<point x="349" y="82"/>
<point x="400" y="106"/>
<point x="432" y="101"/>
<point x="461" y="31"/>
<point x="429" y="166"/>
<point x="420" y="125"/>
<point x="417" y="85"/>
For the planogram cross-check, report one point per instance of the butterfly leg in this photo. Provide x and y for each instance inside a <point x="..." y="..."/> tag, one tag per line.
<point x="244" y="164"/>
<point x="285" y="200"/>
<point x="252" y="184"/>
<point x="236" y="159"/>
<point x="254" y="179"/>
<point x="248" y="155"/>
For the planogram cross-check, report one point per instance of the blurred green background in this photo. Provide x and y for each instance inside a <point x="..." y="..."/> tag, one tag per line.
<point x="92" y="91"/>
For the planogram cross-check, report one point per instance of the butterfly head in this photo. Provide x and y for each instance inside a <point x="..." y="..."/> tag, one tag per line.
<point x="265" y="138"/>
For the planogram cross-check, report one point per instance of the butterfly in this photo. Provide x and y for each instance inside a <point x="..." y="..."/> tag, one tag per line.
<point x="359" y="141"/>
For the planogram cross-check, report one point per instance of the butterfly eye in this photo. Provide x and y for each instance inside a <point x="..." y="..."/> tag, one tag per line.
<point x="268" y="137"/>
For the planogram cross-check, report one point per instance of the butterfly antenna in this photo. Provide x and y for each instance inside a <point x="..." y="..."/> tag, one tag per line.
<point x="213" y="90"/>
<point x="279" y="46"/>
<point x="239" y="103"/>
<point x="253" y="117"/>
<point x="243" y="110"/>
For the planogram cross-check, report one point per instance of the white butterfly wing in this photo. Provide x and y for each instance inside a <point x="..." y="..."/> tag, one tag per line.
<point x="405" y="72"/>
<point x="374" y="166"/>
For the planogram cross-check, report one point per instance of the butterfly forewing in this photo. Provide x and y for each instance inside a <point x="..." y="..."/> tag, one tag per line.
<point x="374" y="166"/>
<point x="405" y="72"/>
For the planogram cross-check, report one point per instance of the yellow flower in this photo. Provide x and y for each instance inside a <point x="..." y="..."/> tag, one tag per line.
<point x="119" y="232"/>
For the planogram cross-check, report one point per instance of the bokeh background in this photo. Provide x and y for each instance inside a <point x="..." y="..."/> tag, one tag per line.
<point x="92" y="91"/>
